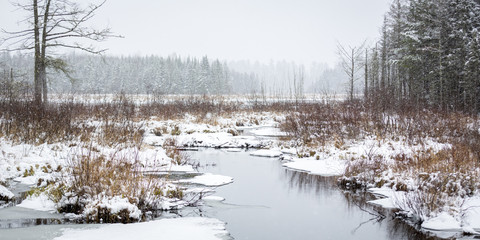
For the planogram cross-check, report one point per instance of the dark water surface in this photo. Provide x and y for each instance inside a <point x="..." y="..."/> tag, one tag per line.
<point x="267" y="201"/>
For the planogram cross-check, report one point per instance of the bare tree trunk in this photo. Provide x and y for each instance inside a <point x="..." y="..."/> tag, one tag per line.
<point x="365" y="93"/>
<point x="37" y="74"/>
<point x="43" y="76"/>
<point x="352" y="74"/>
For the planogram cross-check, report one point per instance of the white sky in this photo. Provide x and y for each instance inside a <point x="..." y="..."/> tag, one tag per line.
<point x="295" y="30"/>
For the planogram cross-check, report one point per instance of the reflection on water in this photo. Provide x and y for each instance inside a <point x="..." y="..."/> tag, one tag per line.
<point x="306" y="182"/>
<point x="397" y="228"/>
<point x="267" y="201"/>
<point x="22" y="223"/>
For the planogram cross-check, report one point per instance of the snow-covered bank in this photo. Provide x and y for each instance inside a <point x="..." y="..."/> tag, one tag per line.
<point x="465" y="219"/>
<point x="366" y="159"/>
<point x="172" y="229"/>
<point x="324" y="167"/>
<point x="209" y="180"/>
<point x="5" y="194"/>
<point x="266" y="153"/>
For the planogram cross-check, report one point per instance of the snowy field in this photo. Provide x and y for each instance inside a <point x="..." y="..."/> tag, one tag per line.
<point x="144" y="98"/>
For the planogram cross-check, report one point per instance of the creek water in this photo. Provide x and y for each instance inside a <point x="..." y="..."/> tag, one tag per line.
<point x="267" y="201"/>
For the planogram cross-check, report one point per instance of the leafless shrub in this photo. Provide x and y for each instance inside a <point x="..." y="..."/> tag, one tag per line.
<point x="173" y="151"/>
<point x="93" y="175"/>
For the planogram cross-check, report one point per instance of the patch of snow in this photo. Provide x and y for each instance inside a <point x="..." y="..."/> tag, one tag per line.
<point x="39" y="203"/>
<point x="176" y="168"/>
<point x="269" y="132"/>
<point x="234" y="149"/>
<point x="384" y="202"/>
<point x="115" y="205"/>
<point x="471" y="213"/>
<point x="4" y="192"/>
<point x="327" y="167"/>
<point x="214" y="198"/>
<point x="291" y="151"/>
<point x="383" y="192"/>
<point x="386" y="196"/>
<point x="442" y="222"/>
<point x="172" y="229"/>
<point x="266" y="153"/>
<point x="199" y="190"/>
<point x="209" y="180"/>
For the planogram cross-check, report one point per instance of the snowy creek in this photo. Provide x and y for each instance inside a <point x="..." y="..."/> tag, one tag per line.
<point x="265" y="201"/>
<point x="268" y="201"/>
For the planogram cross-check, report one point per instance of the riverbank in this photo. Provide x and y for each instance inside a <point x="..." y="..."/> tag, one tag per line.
<point x="425" y="163"/>
<point x="111" y="163"/>
<point x="420" y="161"/>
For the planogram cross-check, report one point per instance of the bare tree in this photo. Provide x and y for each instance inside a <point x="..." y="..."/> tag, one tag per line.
<point x="351" y="58"/>
<point x="298" y="83"/>
<point x="365" y="65"/>
<point x="54" y="24"/>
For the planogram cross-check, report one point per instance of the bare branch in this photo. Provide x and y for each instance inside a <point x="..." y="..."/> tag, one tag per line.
<point x="90" y="49"/>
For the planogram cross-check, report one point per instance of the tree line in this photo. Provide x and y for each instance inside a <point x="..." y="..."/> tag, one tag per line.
<point x="135" y="75"/>
<point x="428" y="54"/>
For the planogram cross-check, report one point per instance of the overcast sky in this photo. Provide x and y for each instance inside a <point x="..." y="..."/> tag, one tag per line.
<point x="300" y="30"/>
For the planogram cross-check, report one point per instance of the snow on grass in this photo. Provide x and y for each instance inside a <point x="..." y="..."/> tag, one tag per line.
<point x="467" y="219"/>
<point x="209" y="180"/>
<point x="269" y="132"/>
<point x="115" y="205"/>
<point x="214" y="131"/>
<point x="27" y="163"/>
<point x="172" y="229"/>
<point x="219" y="140"/>
<point x="266" y="153"/>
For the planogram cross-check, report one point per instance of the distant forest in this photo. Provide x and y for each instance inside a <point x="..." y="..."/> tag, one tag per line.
<point x="134" y="75"/>
<point x="82" y="73"/>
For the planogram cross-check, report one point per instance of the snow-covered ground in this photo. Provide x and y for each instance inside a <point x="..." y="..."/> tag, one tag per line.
<point x="466" y="219"/>
<point x="462" y="214"/>
<point x="172" y="229"/>
<point x="37" y="164"/>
